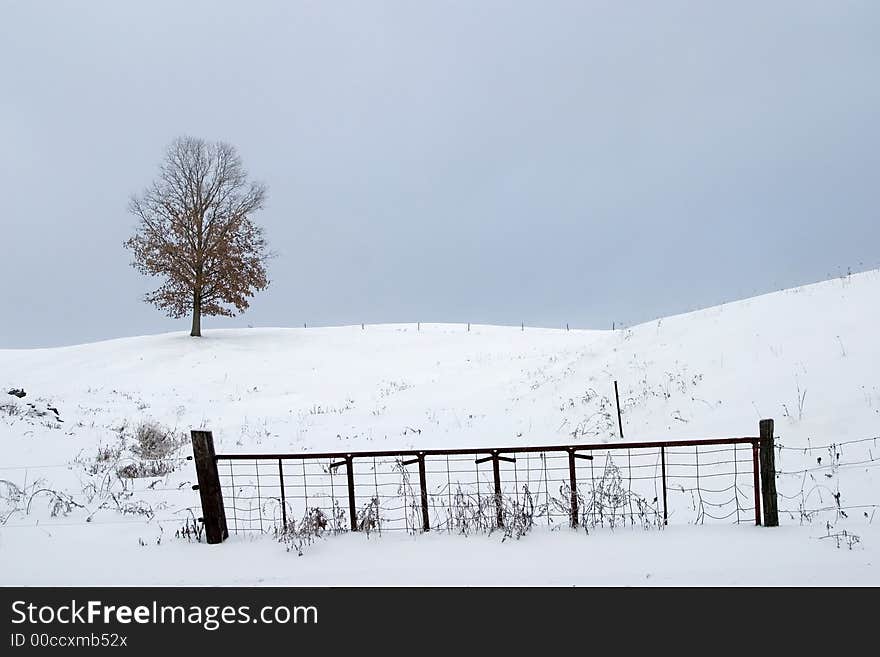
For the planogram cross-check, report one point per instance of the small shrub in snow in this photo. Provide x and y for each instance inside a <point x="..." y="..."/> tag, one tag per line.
<point x="154" y="441"/>
<point x="16" y="500"/>
<point x="10" y="409"/>
<point x="11" y="500"/>
<point x="314" y="524"/>
<point x="108" y="454"/>
<point x="466" y="513"/>
<point x="150" y="455"/>
<point x="368" y="518"/>
<point x="191" y="531"/>
<point x="141" y="469"/>
<point x="521" y="517"/>
<point x="609" y="499"/>
<point x="135" y="508"/>
<point x="37" y="410"/>
<point x="842" y="537"/>
<point x="60" y="504"/>
<point x="801" y="398"/>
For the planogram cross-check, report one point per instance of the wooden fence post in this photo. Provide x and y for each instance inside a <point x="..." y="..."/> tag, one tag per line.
<point x="352" y="506"/>
<point x="213" y="513"/>
<point x="768" y="474"/>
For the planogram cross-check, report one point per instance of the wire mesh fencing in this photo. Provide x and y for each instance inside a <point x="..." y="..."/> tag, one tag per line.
<point x="510" y="489"/>
<point x="86" y="491"/>
<point x="828" y="482"/>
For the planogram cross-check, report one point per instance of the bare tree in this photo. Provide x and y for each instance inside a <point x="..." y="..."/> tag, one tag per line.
<point x="195" y="230"/>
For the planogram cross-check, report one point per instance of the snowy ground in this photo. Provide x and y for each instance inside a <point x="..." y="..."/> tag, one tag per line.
<point x="693" y="556"/>
<point x="807" y="357"/>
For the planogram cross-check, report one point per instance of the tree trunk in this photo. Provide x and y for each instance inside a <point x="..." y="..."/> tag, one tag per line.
<point x="197" y="317"/>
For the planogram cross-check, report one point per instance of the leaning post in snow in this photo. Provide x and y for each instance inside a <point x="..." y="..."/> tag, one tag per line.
<point x="617" y="401"/>
<point x="768" y="474"/>
<point x="213" y="513"/>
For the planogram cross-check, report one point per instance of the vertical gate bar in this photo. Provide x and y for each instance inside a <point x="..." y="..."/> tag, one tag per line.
<point x="283" y="500"/>
<point x="528" y="470"/>
<point x="352" y="508"/>
<point x="426" y="525"/>
<point x="376" y="489"/>
<point x="334" y="505"/>
<point x="546" y="486"/>
<point x="403" y="486"/>
<point x="735" y="484"/>
<point x="572" y="475"/>
<point x="592" y="492"/>
<point x="449" y="492"/>
<point x="702" y="512"/>
<point x="259" y="496"/>
<point x="479" y="497"/>
<point x="496" y="473"/>
<point x="756" y="482"/>
<point x="515" y="483"/>
<point x="306" y="488"/>
<point x="663" y="474"/>
<point x="232" y="485"/>
<point x="629" y="485"/>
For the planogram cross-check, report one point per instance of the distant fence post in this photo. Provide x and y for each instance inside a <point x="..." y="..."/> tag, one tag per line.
<point x="213" y="513"/>
<point x="768" y="474"/>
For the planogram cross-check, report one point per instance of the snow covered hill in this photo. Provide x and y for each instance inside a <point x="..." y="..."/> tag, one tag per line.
<point x="807" y="357"/>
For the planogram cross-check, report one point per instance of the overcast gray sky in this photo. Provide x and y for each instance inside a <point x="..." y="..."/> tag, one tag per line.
<point x="491" y="162"/>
